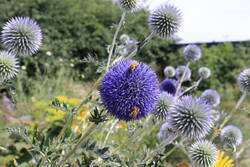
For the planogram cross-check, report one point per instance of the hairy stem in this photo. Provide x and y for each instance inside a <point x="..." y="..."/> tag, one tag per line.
<point x="195" y="85"/>
<point x="109" y="132"/>
<point x="230" y="115"/>
<point x="114" y="39"/>
<point x="80" y="141"/>
<point x="181" y="80"/>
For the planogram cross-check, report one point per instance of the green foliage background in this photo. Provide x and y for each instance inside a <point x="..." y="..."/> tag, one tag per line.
<point x="72" y="29"/>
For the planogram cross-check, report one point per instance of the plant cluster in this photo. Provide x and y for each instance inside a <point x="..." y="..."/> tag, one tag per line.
<point x="129" y="90"/>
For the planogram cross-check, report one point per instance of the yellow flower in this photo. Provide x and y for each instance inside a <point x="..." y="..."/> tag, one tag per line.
<point x="55" y="115"/>
<point x="75" y="128"/>
<point x="61" y="98"/>
<point x="72" y="102"/>
<point x="121" y="125"/>
<point x="223" y="161"/>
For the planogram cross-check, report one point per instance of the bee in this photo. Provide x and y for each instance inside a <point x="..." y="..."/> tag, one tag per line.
<point x="135" y="112"/>
<point x="133" y="65"/>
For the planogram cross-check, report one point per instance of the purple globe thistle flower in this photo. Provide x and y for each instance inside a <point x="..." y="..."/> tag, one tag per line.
<point x="166" y="134"/>
<point x="8" y="66"/>
<point x="231" y="136"/>
<point x="180" y="70"/>
<point x="129" y="90"/>
<point x="169" y="71"/>
<point x="203" y="153"/>
<point x="169" y="85"/>
<point x="244" y="81"/>
<point x="192" y="53"/>
<point x="211" y="97"/>
<point x="191" y="117"/>
<point x="165" y="21"/>
<point x="204" y="72"/>
<point x="163" y="104"/>
<point x="22" y="36"/>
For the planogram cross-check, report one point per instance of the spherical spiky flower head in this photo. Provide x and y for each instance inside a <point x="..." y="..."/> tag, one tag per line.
<point x="231" y="136"/>
<point x="22" y="36"/>
<point x="8" y="66"/>
<point x="169" y="85"/>
<point x="179" y="72"/>
<point x="129" y="90"/>
<point x="166" y="134"/>
<point x="162" y="106"/>
<point x="191" y="117"/>
<point x="203" y="153"/>
<point x="204" y="72"/>
<point x="244" y="81"/>
<point x="165" y="21"/>
<point x="128" y="5"/>
<point x="169" y="71"/>
<point x="192" y="53"/>
<point x="211" y="97"/>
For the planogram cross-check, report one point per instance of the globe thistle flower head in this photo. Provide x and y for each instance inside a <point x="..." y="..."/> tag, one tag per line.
<point x="204" y="72"/>
<point x="179" y="72"/>
<point x="169" y="85"/>
<point x="191" y="117"/>
<point x="164" y="21"/>
<point x="22" y="36"/>
<point x="129" y="90"/>
<point x="166" y="134"/>
<point x="124" y="38"/>
<point x="211" y="97"/>
<point x="231" y="136"/>
<point x="169" y="71"/>
<point x="8" y="66"/>
<point x="162" y="106"/>
<point x="244" y="81"/>
<point x="128" y="5"/>
<point x="203" y="153"/>
<point x="192" y="53"/>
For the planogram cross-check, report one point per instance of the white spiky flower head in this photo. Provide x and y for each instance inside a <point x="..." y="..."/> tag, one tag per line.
<point x="22" y="36"/>
<point x="191" y="117"/>
<point x="128" y="5"/>
<point x="211" y="97"/>
<point x="162" y="106"/>
<point x="203" y="153"/>
<point x="169" y="71"/>
<point x="166" y="134"/>
<point x="165" y="21"/>
<point x="8" y="66"/>
<point x="180" y="70"/>
<point x="192" y="53"/>
<point x="204" y="72"/>
<point x="231" y="136"/>
<point x="244" y="81"/>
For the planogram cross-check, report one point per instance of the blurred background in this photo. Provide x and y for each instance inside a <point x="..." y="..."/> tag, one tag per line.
<point x="75" y="31"/>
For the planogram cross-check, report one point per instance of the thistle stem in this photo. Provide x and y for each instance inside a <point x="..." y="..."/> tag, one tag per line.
<point x="80" y="141"/>
<point x="141" y="45"/>
<point x="181" y="80"/>
<point x="109" y="132"/>
<point x="240" y="101"/>
<point x="114" y="39"/>
<point x="191" y="87"/>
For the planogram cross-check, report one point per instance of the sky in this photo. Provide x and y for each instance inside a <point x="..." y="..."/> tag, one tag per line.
<point x="211" y="20"/>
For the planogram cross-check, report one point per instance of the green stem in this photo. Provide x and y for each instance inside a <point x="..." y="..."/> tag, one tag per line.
<point x="80" y="141"/>
<point x="109" y="132"/>
<point x="181" y="80"/>
<point x="170" y="152"/>
<point x="191" y="87"/>
<point x="230" y="115"/>
<point x="114" y="39"/>
<point x="141" y="45"/>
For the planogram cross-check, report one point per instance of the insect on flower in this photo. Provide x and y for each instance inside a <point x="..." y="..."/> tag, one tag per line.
<point x="135" y="112"/>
